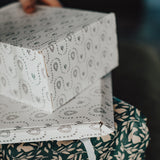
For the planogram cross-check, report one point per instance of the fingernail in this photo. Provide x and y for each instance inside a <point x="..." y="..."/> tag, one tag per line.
<point x="29" y="9"/>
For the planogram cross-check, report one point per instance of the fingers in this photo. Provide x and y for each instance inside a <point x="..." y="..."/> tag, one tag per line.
<point x="28" y="5"/>
<point x="54" y="3"/>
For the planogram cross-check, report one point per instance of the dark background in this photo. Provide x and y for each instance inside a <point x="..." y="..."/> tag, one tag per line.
<point x="137" y="79"/>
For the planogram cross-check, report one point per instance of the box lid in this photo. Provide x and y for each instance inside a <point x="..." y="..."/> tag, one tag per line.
<point x="90" y="114"/>
<point x="45" y="25"/>
<point x="49" y="57"/>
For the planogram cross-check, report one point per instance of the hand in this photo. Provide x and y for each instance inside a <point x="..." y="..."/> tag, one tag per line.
<point x="29" y="6"/>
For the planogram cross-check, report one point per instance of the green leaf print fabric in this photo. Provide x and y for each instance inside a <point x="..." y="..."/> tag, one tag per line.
<point x="128" y="142"/>
<point x="130" y="138"/>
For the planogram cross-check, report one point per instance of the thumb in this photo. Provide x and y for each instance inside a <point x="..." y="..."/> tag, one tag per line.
<point x="28" y="5"/>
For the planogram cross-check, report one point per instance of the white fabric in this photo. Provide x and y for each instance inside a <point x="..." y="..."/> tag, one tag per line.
<point x="89" y="147"/>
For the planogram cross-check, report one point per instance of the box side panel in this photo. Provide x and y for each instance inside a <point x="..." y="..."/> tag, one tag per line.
<point x="81" y="58"/>
<point x="23" y="76"/>
<point x="60" y="133"/>
<point x="107" y="117"/>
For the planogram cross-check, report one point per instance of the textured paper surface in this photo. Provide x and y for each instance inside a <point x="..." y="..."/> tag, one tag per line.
<point x="90" y="114"/>
<point x="49" y="57"/>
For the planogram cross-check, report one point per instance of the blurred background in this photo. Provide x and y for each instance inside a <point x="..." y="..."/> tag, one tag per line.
<point x="137" y="79"/>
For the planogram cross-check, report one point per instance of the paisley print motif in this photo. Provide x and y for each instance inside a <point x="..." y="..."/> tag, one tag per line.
<point x="52" y="44"/>
<point x="129" y="141"/>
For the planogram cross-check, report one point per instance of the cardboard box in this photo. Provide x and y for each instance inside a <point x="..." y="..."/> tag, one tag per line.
<point x="90" y="114"/>
<point x="49" y="57"/>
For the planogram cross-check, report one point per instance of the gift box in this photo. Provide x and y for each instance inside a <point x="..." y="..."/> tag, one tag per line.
<point x="129" y="141"/>
<point x="49" y="57"/>
<point x="90" y="114"/>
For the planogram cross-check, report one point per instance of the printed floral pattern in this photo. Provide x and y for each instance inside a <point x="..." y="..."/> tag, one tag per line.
<point x="129" y="141"/>
<point x="131" y="136"/>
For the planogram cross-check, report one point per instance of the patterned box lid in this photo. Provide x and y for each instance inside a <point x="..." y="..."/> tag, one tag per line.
<point x="90" y="114"/>
<point x="49" y="57"/>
